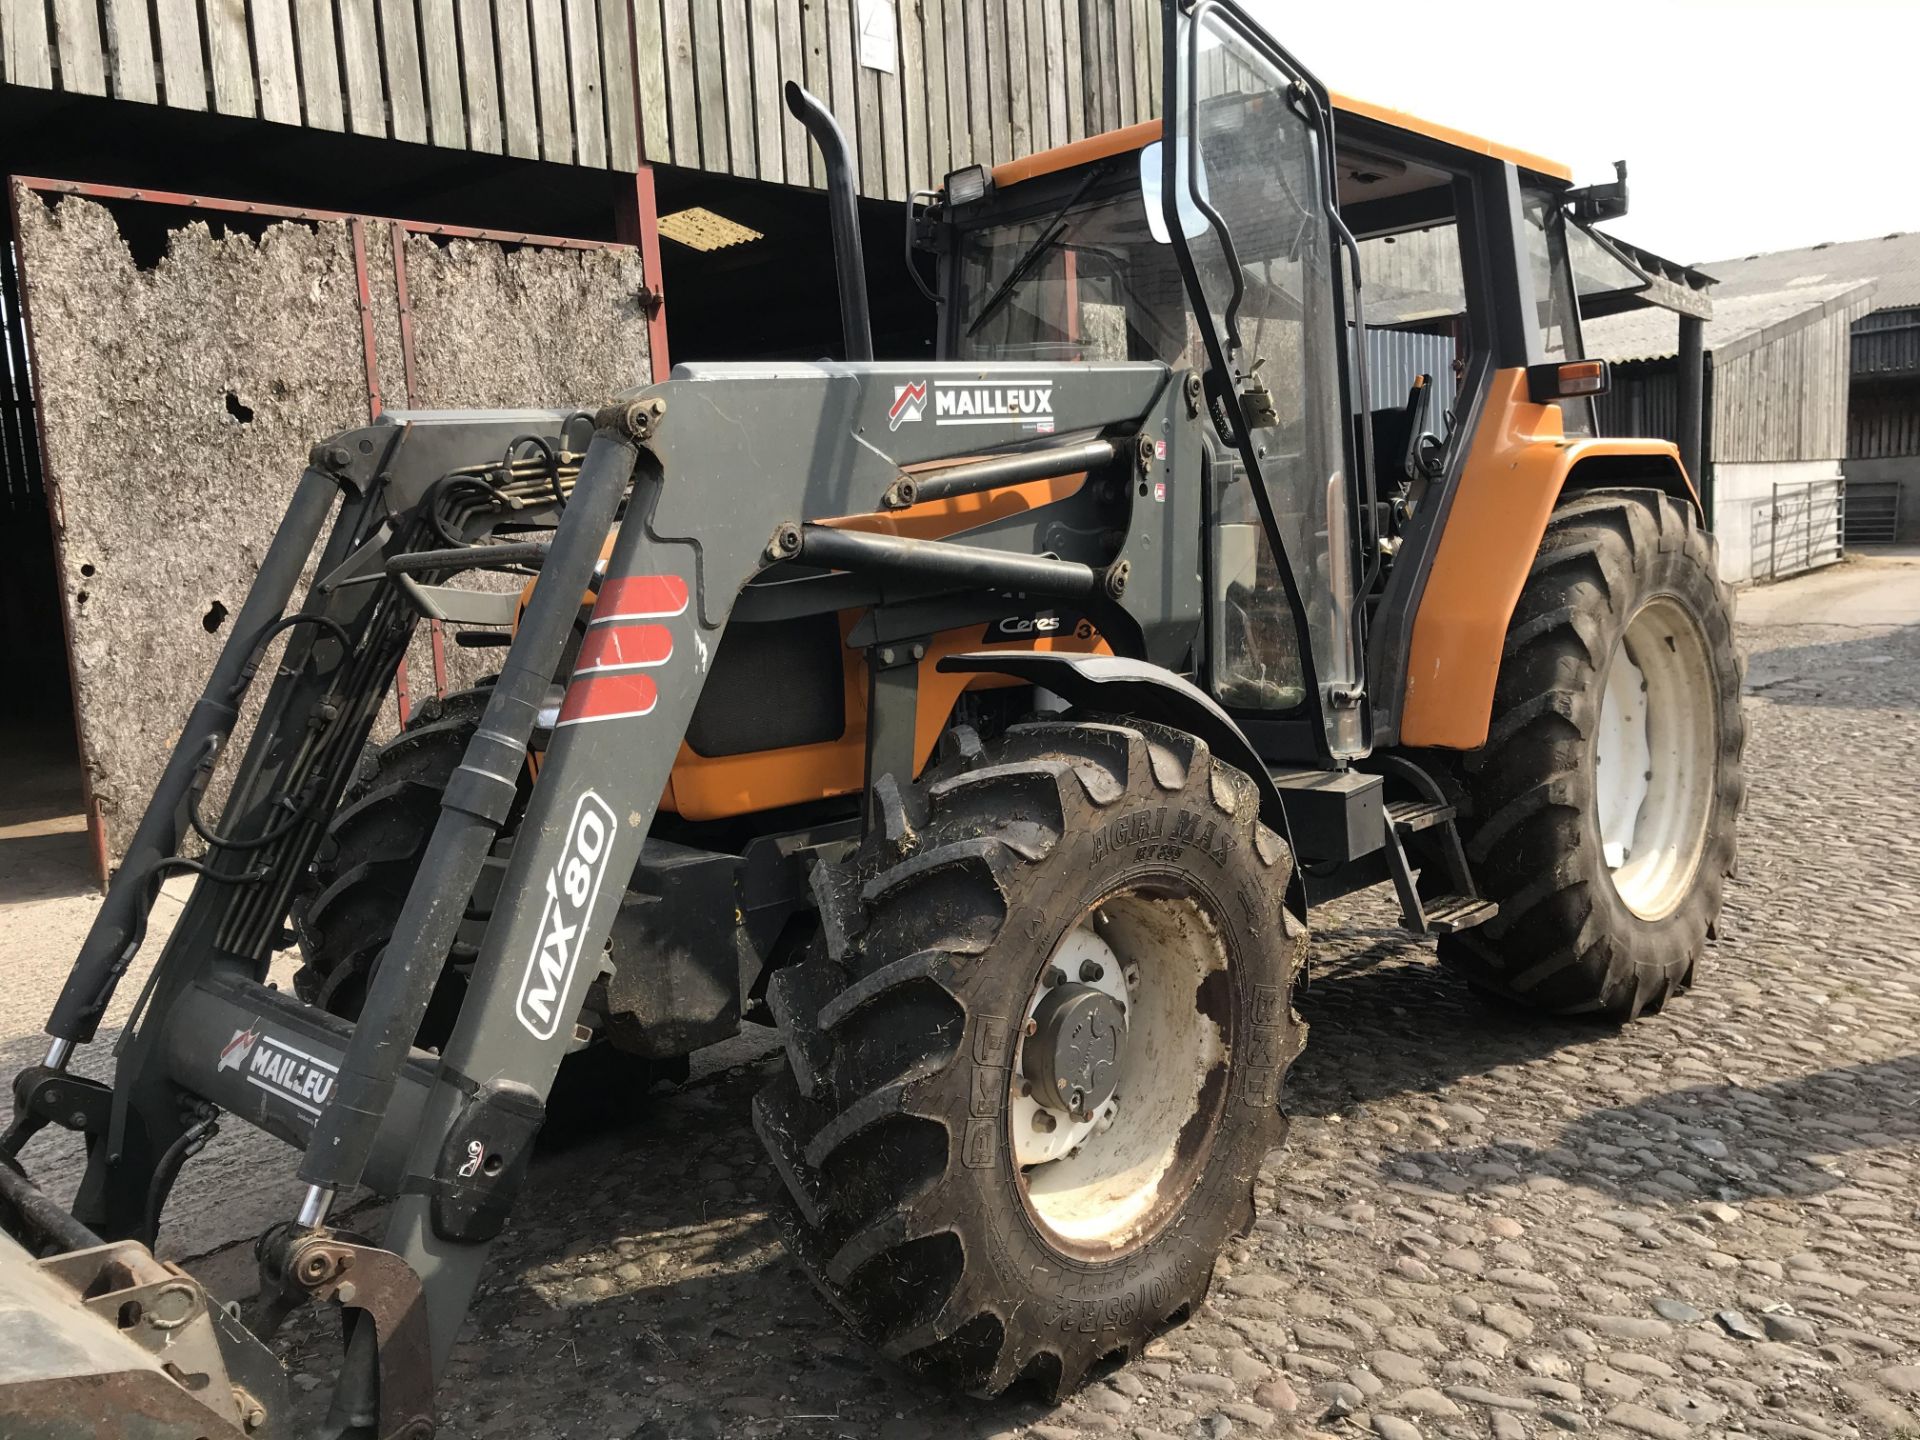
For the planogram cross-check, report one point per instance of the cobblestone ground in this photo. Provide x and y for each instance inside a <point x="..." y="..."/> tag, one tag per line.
<point x="1698" y="1225"/>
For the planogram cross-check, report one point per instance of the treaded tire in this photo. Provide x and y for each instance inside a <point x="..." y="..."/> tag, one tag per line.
<point x="890" y="1125"/>
<point x="345" y="913"/>
<point x="1564" y="941"/>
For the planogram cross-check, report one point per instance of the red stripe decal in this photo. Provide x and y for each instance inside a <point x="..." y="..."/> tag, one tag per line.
<point x="619" y="696"/>
<point x="623" y="647"/>
<point x="640" y="597"/>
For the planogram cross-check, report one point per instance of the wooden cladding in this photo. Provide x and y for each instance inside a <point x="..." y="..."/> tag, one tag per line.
<point x="538" y="79"/>
<point x="975" y="81"/>
<point x="609" y="83"/>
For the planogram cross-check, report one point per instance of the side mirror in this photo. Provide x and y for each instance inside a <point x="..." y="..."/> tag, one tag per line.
<point x="1193" y="223"/>
<point x="1592" y="204"/>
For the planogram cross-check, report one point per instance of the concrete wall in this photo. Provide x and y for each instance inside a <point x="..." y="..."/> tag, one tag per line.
<point x="179" y="401"/>
<point x="1743" y="508"/>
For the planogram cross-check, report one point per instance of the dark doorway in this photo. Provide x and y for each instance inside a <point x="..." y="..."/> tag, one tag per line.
<point x="43" y="842"/>
<point x="774" y="297"/>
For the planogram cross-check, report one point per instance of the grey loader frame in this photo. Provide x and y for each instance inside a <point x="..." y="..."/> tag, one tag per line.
<point x="712" y="484"/>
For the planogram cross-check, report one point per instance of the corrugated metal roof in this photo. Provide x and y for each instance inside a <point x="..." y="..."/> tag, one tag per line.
<point x="1892" y="261"/>
<point x="1654" y="334"/>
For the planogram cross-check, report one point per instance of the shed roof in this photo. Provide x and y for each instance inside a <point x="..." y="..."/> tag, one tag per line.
<point x="1739" y="321"/>
<point x="1892" y="261"/>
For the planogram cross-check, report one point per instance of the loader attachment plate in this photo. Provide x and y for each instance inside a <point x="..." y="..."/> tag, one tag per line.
<point x="108" y="1343"/>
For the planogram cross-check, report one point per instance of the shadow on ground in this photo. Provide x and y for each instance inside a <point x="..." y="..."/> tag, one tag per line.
<point x="1838" y="675"/>
<point x="1730" y="1142"/>
<point x="1386" y="1020"/>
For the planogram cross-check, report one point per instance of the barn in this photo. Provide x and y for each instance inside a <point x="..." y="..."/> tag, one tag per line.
<point x="1774" y="418"/>
<point x="1882" y="455"/>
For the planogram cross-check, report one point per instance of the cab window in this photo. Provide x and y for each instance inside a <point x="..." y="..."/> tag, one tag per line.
<point x="1558" y="318"/>
<point x="1086" y="282"/>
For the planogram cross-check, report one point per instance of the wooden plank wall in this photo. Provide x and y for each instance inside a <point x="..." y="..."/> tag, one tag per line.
<point x="546" y="79"/>
<point x="975" y="81"/>
<point x="1786" y="397"/>
<point x="561" y="80"/>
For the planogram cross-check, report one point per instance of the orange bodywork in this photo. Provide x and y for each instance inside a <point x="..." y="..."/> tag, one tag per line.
<point x="1138" y="137"/>
<point x="1515" y="470"/>
<point x="715" y="787"/>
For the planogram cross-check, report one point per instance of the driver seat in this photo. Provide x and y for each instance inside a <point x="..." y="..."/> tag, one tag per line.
<point x="1395" y="435"/>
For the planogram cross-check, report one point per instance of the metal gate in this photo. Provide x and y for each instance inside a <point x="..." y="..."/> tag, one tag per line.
<point x="1801" y="530"/>
<point x="1873" y="512"/>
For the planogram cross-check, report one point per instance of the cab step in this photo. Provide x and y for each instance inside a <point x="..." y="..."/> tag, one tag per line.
<point x="1448" y="913"/>
<point x="1408" y="816"/>
<point x="1459" y="907"/>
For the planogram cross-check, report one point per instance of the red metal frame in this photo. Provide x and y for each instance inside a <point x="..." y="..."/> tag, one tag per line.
<point x="643" y="220"/>
<point x="647" y="243"/>
<point x="289" y="212"/>
<point x="647" y="224"/>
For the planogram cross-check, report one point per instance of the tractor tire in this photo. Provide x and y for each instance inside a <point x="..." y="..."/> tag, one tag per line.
<point x="1600" y="814"/>
<point x="970" y="947"/>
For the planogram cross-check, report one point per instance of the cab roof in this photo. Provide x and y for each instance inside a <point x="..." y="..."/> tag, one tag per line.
<point x="1137" y="137"/>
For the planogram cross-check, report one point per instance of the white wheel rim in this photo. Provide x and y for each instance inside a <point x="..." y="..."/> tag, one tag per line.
<point x="1654" y="758"/>
<point x="1105" y="1184"/>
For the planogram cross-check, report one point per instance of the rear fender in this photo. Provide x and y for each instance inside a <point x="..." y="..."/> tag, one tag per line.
<point x="1520" y="464"/>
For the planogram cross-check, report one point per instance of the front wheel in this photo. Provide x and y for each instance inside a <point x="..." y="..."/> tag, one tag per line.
<point x="1035" y="1072"/>
<point x="1600" y="813"/>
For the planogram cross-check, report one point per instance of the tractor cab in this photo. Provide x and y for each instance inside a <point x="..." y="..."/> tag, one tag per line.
<point x="1344" y="281"/>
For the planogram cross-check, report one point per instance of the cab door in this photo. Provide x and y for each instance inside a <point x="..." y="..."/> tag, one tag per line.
<point x="1251" y="215"/>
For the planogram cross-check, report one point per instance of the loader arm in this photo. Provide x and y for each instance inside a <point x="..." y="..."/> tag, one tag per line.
<point x="718" y="486"/>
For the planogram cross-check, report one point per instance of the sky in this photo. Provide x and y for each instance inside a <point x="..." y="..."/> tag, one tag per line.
<point x="1746" y="127"/>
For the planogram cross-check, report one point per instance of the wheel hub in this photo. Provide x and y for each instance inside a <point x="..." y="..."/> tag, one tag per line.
<point x="1074" y="1056"/>
<point x="1112" y="1070"/>
<point x="1654" y="758"/>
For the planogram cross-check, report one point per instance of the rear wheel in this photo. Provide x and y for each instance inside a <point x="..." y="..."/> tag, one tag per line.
<point x="1600" y="813"/>
<point x="1034" y="1072"/>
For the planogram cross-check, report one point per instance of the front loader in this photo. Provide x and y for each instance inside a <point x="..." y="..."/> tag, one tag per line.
<point x="989" y="725"/>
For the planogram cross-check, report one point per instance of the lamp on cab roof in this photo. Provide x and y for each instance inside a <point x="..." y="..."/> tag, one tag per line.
<point x="965" y="187"/>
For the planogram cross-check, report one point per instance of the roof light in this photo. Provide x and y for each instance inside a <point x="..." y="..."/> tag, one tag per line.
<point x="700" y="229"/>
<point x="965" y="187"/>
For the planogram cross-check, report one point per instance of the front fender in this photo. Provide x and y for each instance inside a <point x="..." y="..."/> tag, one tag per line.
<point x="1116" y="685"/>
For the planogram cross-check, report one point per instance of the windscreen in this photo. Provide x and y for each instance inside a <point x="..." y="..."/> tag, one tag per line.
<point x="1080" y="279"/>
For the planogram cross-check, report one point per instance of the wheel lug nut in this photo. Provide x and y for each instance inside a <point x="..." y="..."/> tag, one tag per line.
<point x="1091" y="970"/>
<point x="1044" y="1122"/>
<point x="1032" y="1027"/>
<point x="1055" y="976"/>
